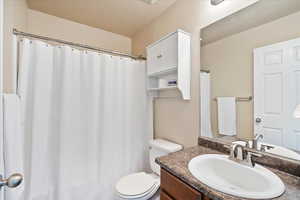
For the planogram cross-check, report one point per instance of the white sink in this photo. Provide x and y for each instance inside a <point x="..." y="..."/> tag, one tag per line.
<point x="227" y="176"/>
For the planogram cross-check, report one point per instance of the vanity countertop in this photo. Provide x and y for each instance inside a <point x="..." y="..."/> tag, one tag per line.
<point x="177" y="164"/>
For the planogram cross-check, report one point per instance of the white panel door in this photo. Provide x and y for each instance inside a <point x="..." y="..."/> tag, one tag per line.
<point x="293" y="130"/>
<point x="277" y="92"/>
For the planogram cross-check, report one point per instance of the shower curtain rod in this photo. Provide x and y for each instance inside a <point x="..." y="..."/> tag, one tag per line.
<point x="20" y="33"/>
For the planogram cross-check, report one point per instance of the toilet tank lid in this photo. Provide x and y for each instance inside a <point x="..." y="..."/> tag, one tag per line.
<point x="165" y="145"/>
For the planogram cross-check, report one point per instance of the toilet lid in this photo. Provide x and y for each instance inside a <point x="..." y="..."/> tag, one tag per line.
<point x="135" y="184"/>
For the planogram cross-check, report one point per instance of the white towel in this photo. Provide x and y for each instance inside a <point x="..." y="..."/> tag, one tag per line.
<point x="13" y="141"/>
<point x="205" y="105"/>
<point x="227" y="115"/>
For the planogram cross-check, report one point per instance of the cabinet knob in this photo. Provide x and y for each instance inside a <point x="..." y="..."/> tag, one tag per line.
<point x="159" y="56"/>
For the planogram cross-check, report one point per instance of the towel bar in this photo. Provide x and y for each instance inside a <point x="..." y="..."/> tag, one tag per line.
<point x="241" y="98"/>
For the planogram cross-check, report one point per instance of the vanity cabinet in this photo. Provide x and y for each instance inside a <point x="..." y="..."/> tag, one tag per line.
<point x="173" y="188"/>
<point x="169" y="64"/>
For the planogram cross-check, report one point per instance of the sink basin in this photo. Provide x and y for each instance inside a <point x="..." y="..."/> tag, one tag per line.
<point x="227" y="176"/>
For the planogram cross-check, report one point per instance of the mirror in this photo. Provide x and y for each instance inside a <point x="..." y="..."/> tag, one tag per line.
<point x="250" y="78"/>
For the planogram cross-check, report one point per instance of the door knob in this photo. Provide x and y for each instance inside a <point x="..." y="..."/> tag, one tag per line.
<point x="13" y="181"/>
<point x="159" y="56"/>
<point x="258" y="120"/>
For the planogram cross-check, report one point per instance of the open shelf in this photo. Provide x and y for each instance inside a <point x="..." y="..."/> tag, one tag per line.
<point x="169" y="63"/>
<point x="164" y="72"/>
<point x="163" y="88"/>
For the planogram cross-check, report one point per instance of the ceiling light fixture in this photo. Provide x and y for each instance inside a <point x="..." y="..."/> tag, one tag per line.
<point x="216" y="2"/>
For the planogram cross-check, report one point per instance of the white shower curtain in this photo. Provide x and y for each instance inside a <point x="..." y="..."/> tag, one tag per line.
<point x="205" y="99"/>
<point x="84" y="122"/>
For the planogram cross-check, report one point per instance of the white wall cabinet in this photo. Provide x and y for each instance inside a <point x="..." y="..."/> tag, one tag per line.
<point x="169" y="64"/>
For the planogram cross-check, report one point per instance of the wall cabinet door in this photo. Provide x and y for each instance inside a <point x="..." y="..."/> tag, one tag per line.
<point x="163" y="55"/>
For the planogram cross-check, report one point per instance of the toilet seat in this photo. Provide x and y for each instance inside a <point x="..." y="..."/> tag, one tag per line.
<point x="144" y="196"/>
<point x="138" y="186"/>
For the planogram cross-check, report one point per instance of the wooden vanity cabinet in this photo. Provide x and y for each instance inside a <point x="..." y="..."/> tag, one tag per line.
<point x="173" y="188"/>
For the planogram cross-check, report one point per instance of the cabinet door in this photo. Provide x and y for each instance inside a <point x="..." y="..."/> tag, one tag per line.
<point x="177" y="189"/>
<point x="169" y="51"/>
<point x="163" y="55"/>
<point x="154" y="59"/>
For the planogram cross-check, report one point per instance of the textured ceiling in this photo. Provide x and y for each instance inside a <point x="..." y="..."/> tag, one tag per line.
<point x="124" y="17"/>
<point x="255" y="15"/>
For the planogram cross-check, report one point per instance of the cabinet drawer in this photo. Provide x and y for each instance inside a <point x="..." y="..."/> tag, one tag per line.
<point x="176" y="188"/>
<point x="163" y="55"/>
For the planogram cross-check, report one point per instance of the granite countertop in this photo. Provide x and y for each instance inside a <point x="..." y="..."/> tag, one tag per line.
<point x="177" y="164"/>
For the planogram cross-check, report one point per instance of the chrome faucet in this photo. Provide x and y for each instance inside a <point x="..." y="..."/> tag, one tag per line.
<point x="255" y="141"/>
<point x="254" y="144"/>
<point x="246" y="157"/>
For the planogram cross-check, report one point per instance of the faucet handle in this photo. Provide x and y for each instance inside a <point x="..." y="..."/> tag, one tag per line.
<point x="265" y="147"/>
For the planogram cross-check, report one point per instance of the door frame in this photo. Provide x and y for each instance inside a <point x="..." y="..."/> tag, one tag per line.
<point x="1" y="43"/>
<point x="1" y="92"/>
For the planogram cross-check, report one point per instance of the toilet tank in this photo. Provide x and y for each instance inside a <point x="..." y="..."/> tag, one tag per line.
<point x="158" y="148"/>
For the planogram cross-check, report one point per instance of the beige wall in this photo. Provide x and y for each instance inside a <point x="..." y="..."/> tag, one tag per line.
<point x="48" y="25"/>
<point x="178" y="120"/>
<point x="15" y="16"/>
<point x="232" y="71"/>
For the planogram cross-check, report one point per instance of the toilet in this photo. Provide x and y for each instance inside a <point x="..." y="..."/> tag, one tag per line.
<point x="141" y="185"/>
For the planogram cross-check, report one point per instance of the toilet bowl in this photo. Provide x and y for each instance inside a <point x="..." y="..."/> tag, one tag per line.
<point x="141" y="185"/>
